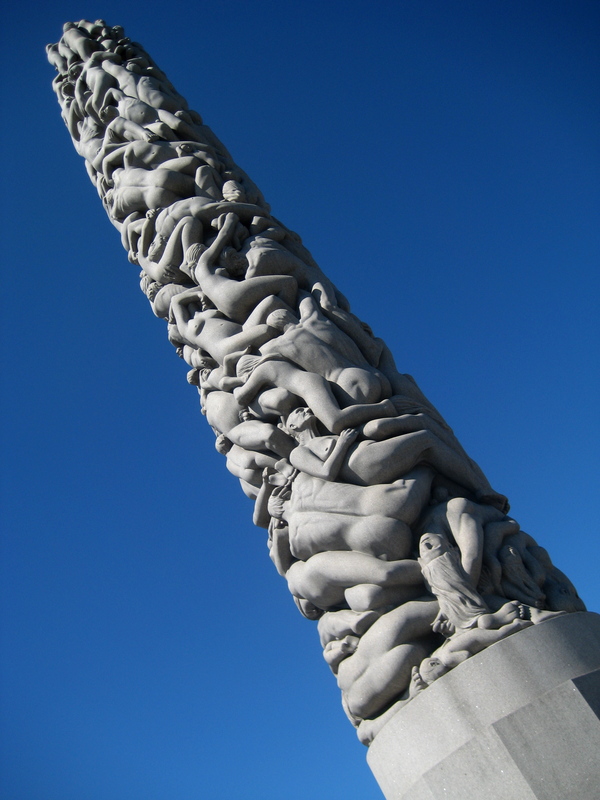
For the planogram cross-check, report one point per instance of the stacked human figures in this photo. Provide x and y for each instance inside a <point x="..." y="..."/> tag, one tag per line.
<point x="386" y="531"/>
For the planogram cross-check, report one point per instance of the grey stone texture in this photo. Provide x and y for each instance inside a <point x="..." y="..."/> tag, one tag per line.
<point x="519" y="721"/>
<point x="384" y="528"/>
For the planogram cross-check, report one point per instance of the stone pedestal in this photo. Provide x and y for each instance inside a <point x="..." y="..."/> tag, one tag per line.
<point x="519" y="721"/>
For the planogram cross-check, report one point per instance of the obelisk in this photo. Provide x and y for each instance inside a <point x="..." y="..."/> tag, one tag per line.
<point x="465" y="658"/>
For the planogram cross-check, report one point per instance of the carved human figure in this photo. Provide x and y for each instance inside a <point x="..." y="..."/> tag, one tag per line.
<point x="465" y="521"/>
<point x="142" y="189"/>
<point x="58" y="61"/>
<point x="517" y="582"/>
<point x="313" y="389"/>
<point x="335" y="625"/>
<point x="463" y="618"/>
<point x="91" y="141"/>
<point x="317" y="345"/>
<point x="160" y="256"/>
<point x="158" y="120"/>
<point x="206" y="328"/>
<point x="368" y="462"/>
<point x="267" y="256"/>
<point x="78" y="41"/>
<point x="419" y="418"/>
<point x="247" y="465"/>
<point x="133" y="82"/>
<point x="461" y="606"/>
<point x="404" y="499"/>
<point x="235" y="299"/>
<point x="223" y="411"/>
<point x="363" y="526"/>
<point x="332" y="579"/>
<point x="93" y="84"/>
<point x="145" y="155"/>
<point x="461" y="647"/>
<point x="379" y="668"/>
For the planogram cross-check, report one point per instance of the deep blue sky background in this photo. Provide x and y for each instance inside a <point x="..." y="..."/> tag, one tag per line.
<point x="440" y="160"/>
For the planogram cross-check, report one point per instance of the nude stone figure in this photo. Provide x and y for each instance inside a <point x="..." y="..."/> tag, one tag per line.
<point x="380" y="667"/>
<point x="134" y="82"/>
<point x="362" y="526"/>
<point x="313" y="532"/>
<point x="312" y="388"/>
<point x="58" y="61"/>
<point x="317" y="345"/>
<point x="236" y="299"/>
<point x="142" y="189"/>
<point x="78" y="41"/>
<point x="329" y="580"/>
<point x="465" y="522"/>
<point x="165" y="125"/>
<point x="162" y="257"/>
<point x="247" y="465"/>
<point x="367" y="462"/>
<point x="208" y="329"/>
<point x="461" y="606"/>
<point x="403" y="499"/>
<point x="267" y="256"/>
<point x="93" y="84"/>
<point x="271" y="250"/>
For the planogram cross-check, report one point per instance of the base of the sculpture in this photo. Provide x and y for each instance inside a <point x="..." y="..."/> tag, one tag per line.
<point x="519" y="721"/>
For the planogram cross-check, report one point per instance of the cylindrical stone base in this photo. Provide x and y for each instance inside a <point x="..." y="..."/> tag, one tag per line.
<point x="519" y="721"/>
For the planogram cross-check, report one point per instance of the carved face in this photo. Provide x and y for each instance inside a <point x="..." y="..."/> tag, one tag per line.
<point x="431" y="546"/>
<point x="431" y="669"/>
<point x="299" y="419"/>
<point x="235" y="263"/>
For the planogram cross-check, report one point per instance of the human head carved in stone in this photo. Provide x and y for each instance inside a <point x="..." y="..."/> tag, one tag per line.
<point x="148" y="286"/>
<point x="432" y="545"/>
<point x="299" y="421"/>
<point x="235" y="263"/>
<point x="234" y="192"/>
<point x="222" y="444"/>
<point x="281" y="319"/>
<point x="431" y="669"/>
<point x="205" y="370"/>
<point x="162" y="301"/>
<point x="108" y="200"/>
<point x="174" y="336"/>
<point x="75" y="71"/>
<point x="157" y="248"/>
<point x="186" y="148"/>
<point x="108" y="113"/>
<point x="307" y="609"/>
<point x="193" y="375"/>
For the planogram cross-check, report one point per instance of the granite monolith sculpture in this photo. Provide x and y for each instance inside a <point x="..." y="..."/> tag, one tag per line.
<point x="388" y="534"/>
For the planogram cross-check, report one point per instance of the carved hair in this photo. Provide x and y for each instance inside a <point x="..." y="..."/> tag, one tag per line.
<point x="280" y="318"/>
<point x="193" y="253"/>
<point x="149" y="287"/>
<point x="246" y="365"/>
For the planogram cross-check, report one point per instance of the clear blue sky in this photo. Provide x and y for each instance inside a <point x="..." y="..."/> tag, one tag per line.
<point x="440" y="160"/>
